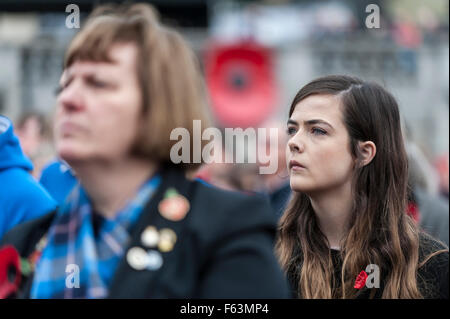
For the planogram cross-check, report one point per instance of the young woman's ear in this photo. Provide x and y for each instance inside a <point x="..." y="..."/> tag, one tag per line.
<point x="367" y="151"/>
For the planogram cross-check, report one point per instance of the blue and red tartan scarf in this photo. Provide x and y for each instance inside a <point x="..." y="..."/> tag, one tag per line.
<point x="72" y="246"/>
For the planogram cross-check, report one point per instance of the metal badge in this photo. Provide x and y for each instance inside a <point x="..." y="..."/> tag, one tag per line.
<point x="137" y="258"/>
<point x="167" y="239"/>
<point x="155" y="260"/>
<point x="150" y="236"/>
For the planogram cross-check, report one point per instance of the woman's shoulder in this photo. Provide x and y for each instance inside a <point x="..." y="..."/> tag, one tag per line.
<point x="430" y="245"/>
<point x="212" y="195"/>
<point x="204" y="188"/>
<point x="433" y="272"/>
<point x="221" y="210"/>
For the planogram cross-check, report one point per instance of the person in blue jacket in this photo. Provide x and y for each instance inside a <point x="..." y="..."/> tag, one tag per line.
<point x="58" y="179"/>
<point x="22" y="198"/>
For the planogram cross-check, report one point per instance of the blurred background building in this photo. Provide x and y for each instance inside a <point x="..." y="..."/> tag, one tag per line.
<point x="292" y="42"/>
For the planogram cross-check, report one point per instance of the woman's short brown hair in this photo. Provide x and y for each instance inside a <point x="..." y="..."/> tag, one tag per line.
<point x="173" y="92"/>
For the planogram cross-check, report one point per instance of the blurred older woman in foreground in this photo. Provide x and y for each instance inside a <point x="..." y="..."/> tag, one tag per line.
<point x="136" y="227"/>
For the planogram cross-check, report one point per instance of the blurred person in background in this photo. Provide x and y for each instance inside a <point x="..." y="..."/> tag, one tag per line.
<point x="276" y="185"/>
<point x="55" y="175"/>
<point x="245" y="177"/>
<point x="241" y="177"/>
<point x="58" y="178"/>
<point x="136" y="227"/>
<point x="21" y="196"/>
<point x="217" y="172"/>
<point x="441" y="164"/>
<point x="349" y="172"/>
<point x="34" y="133"/>
<point x="426" y="205"/>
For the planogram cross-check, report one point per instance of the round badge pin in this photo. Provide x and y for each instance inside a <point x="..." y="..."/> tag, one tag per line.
<point x="150" y="236"/>
<point x="137" y="258"/>
<point x="174" y="206"/>
<point x="167" y="240"/>
<point x="155" y="260"/>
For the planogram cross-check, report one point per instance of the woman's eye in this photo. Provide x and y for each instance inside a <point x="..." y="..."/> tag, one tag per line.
<point x="98" y="83"/>
<point x="290" y="131"/>
<point x="318" y="131"/>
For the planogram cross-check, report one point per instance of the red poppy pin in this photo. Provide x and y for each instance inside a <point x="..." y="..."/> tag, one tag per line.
<point x="360" y="281"/>
<point x="10" y="271"/>
<point x="174" y="206"/>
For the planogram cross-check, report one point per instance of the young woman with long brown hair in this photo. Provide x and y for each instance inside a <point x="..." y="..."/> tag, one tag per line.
<point x="348" y="172"/>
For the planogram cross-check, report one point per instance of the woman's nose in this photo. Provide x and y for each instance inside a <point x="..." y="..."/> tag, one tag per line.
<point x="71" y="98"/>
<point x="295" y="144"/>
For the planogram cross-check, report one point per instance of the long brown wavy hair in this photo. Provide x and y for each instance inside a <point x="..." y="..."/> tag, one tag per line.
<point x="379" y="231"/>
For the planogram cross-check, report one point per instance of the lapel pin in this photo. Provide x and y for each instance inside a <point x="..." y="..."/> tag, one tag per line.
<point x="150" y="236"/>
<point x="167" y="240"/>
<point x="155" y="260"/>
<point x="137" y="258"/>
<point x="174" y="206"/>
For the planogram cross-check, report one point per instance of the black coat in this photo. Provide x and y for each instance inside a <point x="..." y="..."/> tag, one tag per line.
<point x="224" y="247"/>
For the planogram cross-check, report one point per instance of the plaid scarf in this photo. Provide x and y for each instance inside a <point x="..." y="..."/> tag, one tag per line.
<point x="72" y="246"/>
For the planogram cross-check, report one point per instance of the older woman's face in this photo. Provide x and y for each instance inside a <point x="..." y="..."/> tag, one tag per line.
<point x="99" y="107"/>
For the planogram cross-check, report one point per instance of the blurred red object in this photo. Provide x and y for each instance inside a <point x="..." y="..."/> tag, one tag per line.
<point x="9" y="267"/>
<point x="442" y="166"/>
<point x="407" y="35"/>
<point x="241" y="83"/>
<point x="413" y="211"/>
<point x="203" y="174"/>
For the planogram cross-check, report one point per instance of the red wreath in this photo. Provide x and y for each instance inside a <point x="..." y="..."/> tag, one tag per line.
<point x="241" y="83"/>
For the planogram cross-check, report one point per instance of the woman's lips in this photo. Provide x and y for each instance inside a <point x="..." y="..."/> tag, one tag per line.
<point x="69" y="128"/>
<point x="296" y="166"/>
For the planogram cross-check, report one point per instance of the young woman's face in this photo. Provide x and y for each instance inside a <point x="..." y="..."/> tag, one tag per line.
<point x="99" y="107"/>
<point x="317" y="153"/>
